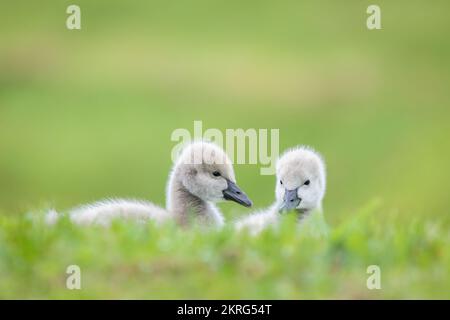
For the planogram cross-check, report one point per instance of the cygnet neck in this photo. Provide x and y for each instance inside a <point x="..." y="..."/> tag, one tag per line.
<point x="183" y="204"/>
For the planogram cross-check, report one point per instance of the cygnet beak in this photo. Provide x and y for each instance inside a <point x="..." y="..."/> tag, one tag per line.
<point x="290" y="201"/>
<point x="234" y="193"/>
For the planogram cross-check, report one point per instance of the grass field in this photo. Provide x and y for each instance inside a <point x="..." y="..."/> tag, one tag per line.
<point x="135" y="261"/>
<point x="88" y="114"/>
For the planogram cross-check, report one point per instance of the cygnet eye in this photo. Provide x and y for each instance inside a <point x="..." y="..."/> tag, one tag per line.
<point x="281" y="182"/>
<point x="307" y="182"/>
<point x="216" y="174"/>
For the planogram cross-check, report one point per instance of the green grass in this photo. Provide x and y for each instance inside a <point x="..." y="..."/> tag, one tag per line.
<point x="144" y="261"/>
<point x="86" y="115"/>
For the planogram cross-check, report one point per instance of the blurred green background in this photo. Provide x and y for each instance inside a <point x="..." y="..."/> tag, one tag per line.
<point x="88" y="114"/>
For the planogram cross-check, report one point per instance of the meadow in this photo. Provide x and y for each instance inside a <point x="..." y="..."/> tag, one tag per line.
<point x="88" y="114"/>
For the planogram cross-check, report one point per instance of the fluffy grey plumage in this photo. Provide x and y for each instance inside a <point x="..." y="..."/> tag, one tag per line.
<point x="300" y="186"/>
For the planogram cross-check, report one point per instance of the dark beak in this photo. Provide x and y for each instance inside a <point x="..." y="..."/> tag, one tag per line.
<point x="233" y="193"/>
<point x="291" y="200"/>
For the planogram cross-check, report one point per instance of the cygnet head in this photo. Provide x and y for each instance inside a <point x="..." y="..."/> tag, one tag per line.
<point x="205" y="170"/>
<point x="301" y="180"/>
